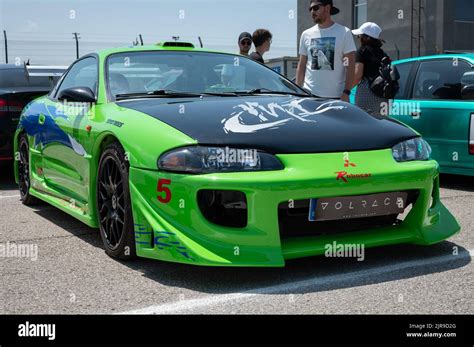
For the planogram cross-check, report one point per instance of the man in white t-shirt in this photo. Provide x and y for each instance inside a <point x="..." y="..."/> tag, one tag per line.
<point x="327" y="55"/>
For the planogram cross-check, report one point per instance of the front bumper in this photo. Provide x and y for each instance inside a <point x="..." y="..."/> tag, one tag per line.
<point x="177" y="231"/>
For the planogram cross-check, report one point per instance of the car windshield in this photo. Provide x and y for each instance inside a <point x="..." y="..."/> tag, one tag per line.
<point x="191" y="72"/>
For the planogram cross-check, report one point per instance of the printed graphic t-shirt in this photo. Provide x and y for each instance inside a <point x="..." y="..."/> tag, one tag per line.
<point x="325" y="49"/>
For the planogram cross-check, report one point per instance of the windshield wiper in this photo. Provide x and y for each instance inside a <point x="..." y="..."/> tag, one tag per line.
<point x="269" y="91"/>
<point x="221" y="94"/>
<point x="177" y="94"/>
<point x="159" y="92"/>
<point x="171" y="92"/>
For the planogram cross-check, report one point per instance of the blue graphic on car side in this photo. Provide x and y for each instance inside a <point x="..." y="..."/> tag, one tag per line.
<point x="40" y="123"/>
<point x="163" y="241"/>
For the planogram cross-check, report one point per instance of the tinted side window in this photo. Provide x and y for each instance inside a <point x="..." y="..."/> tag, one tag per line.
<point x="404" y="70"/>
<point x="82" y="74"/>
<point x="440" y="80"/>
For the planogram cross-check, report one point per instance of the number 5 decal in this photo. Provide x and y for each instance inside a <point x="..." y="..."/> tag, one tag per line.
<point x="166" y="197"/>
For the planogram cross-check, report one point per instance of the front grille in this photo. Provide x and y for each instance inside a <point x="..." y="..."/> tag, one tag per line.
<point x="293" y="222"/>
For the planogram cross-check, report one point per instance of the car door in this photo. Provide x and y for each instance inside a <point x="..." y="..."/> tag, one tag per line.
<point x="435" y="109"/>
<point x="65" y="156"/>
<point x="400" y="107"/>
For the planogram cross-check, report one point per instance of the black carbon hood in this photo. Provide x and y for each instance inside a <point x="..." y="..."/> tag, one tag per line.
<point x="276" y="124"/>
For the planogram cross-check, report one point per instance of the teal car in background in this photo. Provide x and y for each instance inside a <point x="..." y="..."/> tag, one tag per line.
<point x="436" y="98"/>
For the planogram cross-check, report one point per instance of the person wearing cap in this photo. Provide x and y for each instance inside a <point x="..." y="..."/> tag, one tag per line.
<point x="262" y="39"/>
<point x="233" y="75"/>
<point x="327" y="54"/>
<point x="368" y="61"/>
<point x="245" y="43"/>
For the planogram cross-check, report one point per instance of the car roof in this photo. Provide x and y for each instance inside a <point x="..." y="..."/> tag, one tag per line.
<point x="158" y="47"/>
<point x="467" y="56"/>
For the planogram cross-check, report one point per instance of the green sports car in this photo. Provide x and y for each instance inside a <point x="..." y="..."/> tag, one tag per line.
<point x="206" y="158"/>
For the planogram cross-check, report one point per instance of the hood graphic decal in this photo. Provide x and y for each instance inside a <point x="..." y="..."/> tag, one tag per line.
<point x="275" y="124"/>
<point x="253" y="111"/>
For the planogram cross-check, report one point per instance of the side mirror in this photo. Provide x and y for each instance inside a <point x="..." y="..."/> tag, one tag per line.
<point x="467" y="93"/>
<point x="77" y="94"/>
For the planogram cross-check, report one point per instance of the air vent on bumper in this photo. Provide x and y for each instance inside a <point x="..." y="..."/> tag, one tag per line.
<point x="226" y="208"/>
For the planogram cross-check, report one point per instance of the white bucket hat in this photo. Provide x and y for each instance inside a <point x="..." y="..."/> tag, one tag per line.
<point x="369" y="29"/>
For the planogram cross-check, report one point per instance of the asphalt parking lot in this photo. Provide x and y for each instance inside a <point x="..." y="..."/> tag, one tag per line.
<point x="73" y="275"/>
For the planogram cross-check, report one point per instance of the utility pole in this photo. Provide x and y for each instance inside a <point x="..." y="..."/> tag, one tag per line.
<point x="6" y="46"/>
<point x="76" y="37"/>
<point x="421" y="9"/>
<point x="417" y="11"/>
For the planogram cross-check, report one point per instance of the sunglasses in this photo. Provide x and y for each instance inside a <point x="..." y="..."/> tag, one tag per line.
<point x="315" y="8"/>
<point x="246" y="43"/>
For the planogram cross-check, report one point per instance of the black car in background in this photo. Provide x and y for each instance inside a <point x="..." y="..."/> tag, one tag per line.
<point x="18" y="86"/>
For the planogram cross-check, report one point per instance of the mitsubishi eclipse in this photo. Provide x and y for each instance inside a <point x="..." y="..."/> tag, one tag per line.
<point x="191" y="156"/>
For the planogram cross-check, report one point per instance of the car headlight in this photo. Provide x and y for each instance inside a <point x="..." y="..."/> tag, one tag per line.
<point x="204" y="160"/>
<point x="411" y="150"/>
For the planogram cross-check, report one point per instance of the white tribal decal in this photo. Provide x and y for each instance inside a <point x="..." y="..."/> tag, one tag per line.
<point x="290" y="111"/>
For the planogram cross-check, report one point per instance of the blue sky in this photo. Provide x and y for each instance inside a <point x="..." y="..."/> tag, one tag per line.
<point x="42" y="29"/>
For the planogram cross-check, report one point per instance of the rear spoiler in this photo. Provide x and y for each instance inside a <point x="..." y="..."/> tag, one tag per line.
<point x="44" y="71"/>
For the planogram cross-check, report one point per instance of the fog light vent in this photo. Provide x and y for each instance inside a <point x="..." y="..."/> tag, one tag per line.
<point x="226" y="208"/>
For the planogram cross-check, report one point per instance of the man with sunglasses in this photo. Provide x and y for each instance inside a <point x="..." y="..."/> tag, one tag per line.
<point x="233" y="76"/>
<point x="245" y="43"/>
<point x="327" y="54"/>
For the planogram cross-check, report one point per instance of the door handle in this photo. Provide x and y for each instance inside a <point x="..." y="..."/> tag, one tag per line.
<point x="415" y="115"/>
<point x="41" y="119"/>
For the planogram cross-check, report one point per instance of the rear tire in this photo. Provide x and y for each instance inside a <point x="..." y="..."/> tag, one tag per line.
<point x="24" y="178"/>
<point x="114" y="208"/>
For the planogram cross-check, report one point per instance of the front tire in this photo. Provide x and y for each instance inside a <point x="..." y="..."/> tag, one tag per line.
<point x="24" y="179"/>
<point x="114" y="208"/>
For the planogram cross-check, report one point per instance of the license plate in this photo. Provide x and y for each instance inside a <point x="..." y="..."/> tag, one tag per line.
<point x="352" y="207"/>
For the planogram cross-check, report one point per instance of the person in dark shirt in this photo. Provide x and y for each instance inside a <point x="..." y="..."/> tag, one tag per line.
<point x="262" y="39"/>
<point x="368" y="62"/>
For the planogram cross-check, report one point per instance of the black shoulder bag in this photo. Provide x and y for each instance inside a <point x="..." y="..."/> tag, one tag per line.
<point x="385" y="84"/>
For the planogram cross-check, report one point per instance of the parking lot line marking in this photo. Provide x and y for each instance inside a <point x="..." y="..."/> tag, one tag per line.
<point x="186" y="305"/>
<point x="9" y="196"/>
